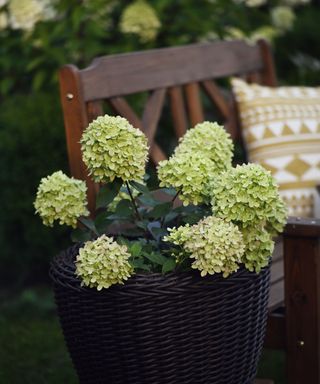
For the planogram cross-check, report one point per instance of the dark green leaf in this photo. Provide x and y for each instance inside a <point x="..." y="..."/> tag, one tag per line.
<point x="171" y="216"/>
<point x="135" y="249"/>
<point x="169" y="191"/>
<point x="160" y="210"/>
<point x="169" y="265"/>
<point x="139" y="264"/>
<point x="147" y="200"/>
<point x="102" y="221"/>
<point x="79" y="236"/>
<point x="156" y="258"/>
<point x="140" y="187"/>
<point x="143" y="224"/>
<point x="156" y="231"/>
<point x="107" y="193"/>
<point x="124" y="208"/>
<point x="88" y="223"/>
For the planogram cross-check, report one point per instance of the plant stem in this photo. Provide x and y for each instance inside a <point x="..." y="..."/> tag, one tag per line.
<point x="175" y="196"/>
<point x="133" y="202"/>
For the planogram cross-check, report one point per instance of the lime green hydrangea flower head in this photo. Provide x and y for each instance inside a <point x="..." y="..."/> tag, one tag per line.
<point x="189" y="173"/>
<point x="102" y="263"/>
<point x="61" y="198"/>
<point x="112" y="147"/>
<point x="140" y="19"/>
<point x="248" y="194"/>
<point x="178" y="236"/>
<point x="258" y="247"/>
<point x="212" y="140"/>
<point x="216" y="245"/>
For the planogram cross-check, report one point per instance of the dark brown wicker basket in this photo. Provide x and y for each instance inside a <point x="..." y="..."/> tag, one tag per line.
<point x="155" y="329"/>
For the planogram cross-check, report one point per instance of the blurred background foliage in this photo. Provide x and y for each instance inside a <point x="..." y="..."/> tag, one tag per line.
<point x="39" y="36"/>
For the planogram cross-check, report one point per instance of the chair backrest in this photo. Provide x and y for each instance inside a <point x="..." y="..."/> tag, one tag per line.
<point x="179" y="73"/>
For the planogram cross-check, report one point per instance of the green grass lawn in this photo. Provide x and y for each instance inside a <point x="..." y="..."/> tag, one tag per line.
<point x="32" y="349"/>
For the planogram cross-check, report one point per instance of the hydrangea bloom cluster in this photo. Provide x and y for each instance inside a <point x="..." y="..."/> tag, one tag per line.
<point x="112" y="147"/>
<point x="248" y="194"/>
<point x="217" y="246"/>
<point x="202" y="152"/>
<point x="102" y="263"/>
<point x="212" y="141"/>
<point x="258" y="248"/>
<point x="140" y="19"/>
<point x="61" y="198"/>
<point x="189" y="173"/>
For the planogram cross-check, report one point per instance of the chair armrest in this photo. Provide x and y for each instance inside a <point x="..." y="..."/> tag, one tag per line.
<point x="302" y="227"/>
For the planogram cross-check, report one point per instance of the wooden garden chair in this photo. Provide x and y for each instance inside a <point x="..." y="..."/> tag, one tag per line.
<point x="176" y="77"/>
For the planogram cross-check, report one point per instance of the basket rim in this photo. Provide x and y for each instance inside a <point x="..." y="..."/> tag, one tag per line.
<point x="62" y="272"/>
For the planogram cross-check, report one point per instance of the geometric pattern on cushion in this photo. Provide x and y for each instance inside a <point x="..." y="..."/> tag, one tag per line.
<point x="281" y="131"/>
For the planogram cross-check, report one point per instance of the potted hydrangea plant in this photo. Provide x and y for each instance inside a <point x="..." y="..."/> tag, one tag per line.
<point x="166" y="285"/>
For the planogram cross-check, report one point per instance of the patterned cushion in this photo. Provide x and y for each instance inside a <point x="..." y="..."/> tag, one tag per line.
<point x="281" y="130"/>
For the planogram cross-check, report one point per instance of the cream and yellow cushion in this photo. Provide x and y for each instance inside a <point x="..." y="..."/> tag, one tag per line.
<point x="281" y="130"/>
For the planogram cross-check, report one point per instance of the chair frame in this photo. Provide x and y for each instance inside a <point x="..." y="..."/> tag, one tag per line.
<point x="180" y="73"/>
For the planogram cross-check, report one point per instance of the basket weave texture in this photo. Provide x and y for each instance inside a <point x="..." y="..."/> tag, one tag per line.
<point x="163" y="329"/>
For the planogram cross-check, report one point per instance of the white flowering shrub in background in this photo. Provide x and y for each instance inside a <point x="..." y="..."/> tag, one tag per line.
<point x="53" y="32"/>
<point x="140" y="18"/>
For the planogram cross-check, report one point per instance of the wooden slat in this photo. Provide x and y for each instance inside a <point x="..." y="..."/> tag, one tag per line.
<point x="152" y="113"/>
<point x="214" y="93"/>
<point x="125" y="74"/>
<point x="120" y="105"/>
<point x="233" y="125"/>
<point x="178" y="111"/>
<point x="124" y="109"/>
<point x="263" y="381"/>
<point x="194" y="103"/>
<point x="94" y="109"/>
<point x="268" y="73"/>
<point x="75" y="121"/>
<point x="253" y="77"/>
